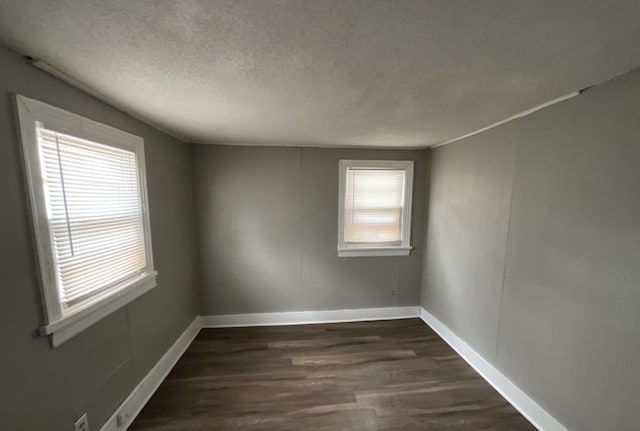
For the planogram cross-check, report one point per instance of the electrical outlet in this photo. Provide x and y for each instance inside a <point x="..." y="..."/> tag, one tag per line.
<point x="122" y="419"/>
<point x="82" y="424"/>
<point x="393" y="292"/>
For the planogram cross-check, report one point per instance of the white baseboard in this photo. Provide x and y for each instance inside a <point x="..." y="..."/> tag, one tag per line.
<point x="131" y="407"/>
<point x="306" y="317"/>
<point x="512" y="393"/>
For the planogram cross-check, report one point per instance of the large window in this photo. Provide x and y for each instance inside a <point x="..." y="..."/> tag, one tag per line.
<point x="375" y="208"/>
<point x="90" y="215"/>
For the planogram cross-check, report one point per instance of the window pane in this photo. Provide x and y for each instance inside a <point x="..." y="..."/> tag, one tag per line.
<point x="374" y="204"/>
<point x="95" y="215"/>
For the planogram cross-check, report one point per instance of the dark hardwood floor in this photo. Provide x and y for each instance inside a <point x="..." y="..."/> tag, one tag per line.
<point x="380" y="375"/>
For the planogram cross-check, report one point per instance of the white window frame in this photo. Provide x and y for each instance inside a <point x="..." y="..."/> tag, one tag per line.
<point x="351" y="250"/>
<point x="60" y="325"/>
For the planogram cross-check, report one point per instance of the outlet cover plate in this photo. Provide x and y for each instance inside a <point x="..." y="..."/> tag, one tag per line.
<point x="82" y="424"/>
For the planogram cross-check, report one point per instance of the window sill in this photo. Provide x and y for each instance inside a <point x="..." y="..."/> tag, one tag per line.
<point x="374" y="251"/>
<point x="100" y="307"/>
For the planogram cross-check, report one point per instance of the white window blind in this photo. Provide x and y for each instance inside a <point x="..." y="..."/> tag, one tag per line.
<point x="87" y="194"/>
<point x="374" y="205"/>
<point x="374" y="210"/>
<point x="95" y="215"/>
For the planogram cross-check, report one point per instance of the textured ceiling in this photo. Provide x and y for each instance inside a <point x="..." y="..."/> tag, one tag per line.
<point x="323" y="72"/>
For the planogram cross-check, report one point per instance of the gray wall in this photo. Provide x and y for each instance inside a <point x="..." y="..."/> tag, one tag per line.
<point x="268" y="224"/>
<point x="534" y="252"/>
<point x="44" y="388"/>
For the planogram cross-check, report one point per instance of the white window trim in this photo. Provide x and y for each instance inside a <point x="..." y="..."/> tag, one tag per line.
<point x="62" y="327"/>
<point x="404" y="249"/>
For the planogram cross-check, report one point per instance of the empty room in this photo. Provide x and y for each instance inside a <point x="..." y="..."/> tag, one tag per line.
<point x="320" y="215"/>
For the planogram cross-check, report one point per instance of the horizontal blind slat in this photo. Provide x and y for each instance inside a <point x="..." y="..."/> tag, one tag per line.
<point x="91" y="251"/>
<point x="116" y="269"/>
<point x="99" y="279"/>
<point x="94" y="290"/>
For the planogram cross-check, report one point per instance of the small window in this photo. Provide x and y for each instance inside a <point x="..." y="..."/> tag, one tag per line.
<point x="87" y="190"/>
<point x="375" y="208"/>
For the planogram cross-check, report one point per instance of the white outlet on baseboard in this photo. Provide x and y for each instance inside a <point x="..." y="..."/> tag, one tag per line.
<point x="123" y="418"/>
<point x="82" y="424"/>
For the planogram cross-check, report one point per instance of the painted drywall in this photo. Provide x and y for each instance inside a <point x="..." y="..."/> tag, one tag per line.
<point x="268" y="225"/>
<point x="534" y="252"/>
<point x="470" y="191"/>
<point x="45" y="388"/>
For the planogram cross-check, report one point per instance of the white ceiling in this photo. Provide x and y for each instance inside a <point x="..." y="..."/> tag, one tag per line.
<point x="328" y="72"/>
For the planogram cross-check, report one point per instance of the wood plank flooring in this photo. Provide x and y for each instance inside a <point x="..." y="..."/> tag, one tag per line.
<point x="380" y="375"/>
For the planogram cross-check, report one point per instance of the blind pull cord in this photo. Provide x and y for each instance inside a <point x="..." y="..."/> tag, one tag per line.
<point x="353" y="198"/>
<point x="64" y="196"/>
